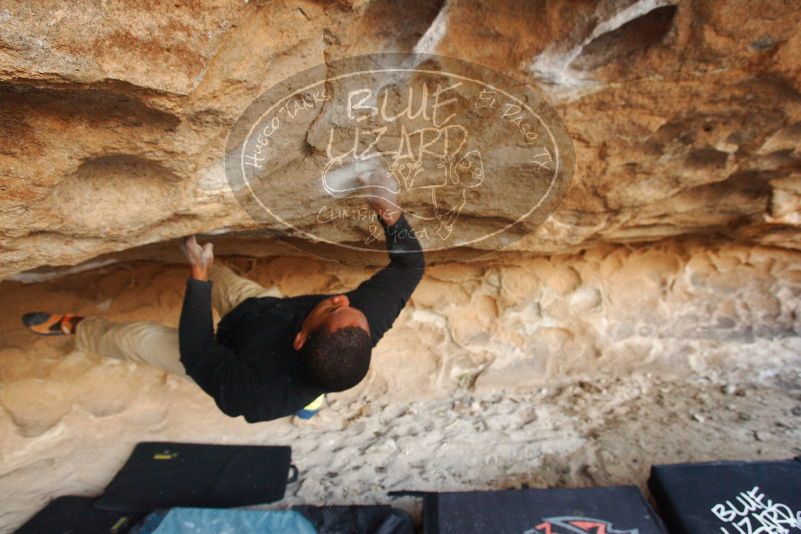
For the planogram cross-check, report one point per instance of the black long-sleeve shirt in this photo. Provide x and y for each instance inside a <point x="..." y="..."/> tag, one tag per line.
<point x="251" y="368"/>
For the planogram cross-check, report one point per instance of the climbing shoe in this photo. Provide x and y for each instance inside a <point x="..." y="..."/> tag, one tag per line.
<point x="311" y="409"/>
<point x="51" y="324"/>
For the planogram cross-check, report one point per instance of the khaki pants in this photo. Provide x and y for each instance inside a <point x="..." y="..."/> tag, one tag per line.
<point x="153" y="343"/>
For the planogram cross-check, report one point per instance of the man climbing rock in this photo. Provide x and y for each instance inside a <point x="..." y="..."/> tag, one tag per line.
<point x="272" y="356"/>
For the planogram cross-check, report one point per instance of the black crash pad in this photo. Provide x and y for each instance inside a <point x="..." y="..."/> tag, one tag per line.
<point x="729" y="497"/>
<point x="614" y="510"/>
<point x="77" y="515"/>
<point x="164" y="475"/>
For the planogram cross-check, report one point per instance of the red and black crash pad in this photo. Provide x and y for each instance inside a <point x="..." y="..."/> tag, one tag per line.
<point x="77" y="515"/>
<point x="613" y="510"/>
<point x="165" y="475"/>
<point x="729" y="497"/>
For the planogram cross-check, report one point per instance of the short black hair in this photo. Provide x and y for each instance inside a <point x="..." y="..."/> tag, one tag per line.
<point x="335" y="361"/>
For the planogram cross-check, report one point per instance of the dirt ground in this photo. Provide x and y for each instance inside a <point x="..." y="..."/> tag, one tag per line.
<point x="69" y="420"/>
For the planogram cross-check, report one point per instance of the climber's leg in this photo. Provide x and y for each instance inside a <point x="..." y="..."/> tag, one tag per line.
<point x="141" y="341"/>
<point x="228" y="289"/>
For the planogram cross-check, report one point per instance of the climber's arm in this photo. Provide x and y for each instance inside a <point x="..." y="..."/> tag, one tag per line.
<point x="230" y="380"/>
<point x="201" y="355"/>
<point x="402" y="244"/>
<point x="383" y="296"/>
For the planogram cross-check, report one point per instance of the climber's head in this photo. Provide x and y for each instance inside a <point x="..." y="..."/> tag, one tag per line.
<point x="334" y="345"/>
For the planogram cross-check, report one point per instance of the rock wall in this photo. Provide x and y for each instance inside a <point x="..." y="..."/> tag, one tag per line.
<point x="566" y="370"/>
<point x="675" y="309"/>
<point x="676" y="255"/>
<point x="685" y="116"/>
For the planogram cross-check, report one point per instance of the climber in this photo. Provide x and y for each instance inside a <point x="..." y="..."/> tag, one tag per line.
<point x="272" y="356"/>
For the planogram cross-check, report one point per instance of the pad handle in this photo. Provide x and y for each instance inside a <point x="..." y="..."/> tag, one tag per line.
<point x="293" y="474"/>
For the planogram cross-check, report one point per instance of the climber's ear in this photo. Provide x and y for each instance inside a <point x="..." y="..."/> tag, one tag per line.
<point x="300" y="340"/>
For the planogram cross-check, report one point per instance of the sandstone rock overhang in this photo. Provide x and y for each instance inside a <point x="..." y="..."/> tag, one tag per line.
<point x="686" y="118"/>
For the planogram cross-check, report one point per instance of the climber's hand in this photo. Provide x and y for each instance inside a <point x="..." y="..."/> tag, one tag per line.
<point x="200" y="258"/>
<point x="383" y="194"/>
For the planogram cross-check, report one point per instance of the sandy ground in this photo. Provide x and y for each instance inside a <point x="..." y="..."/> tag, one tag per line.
<point x="69" y="419"/>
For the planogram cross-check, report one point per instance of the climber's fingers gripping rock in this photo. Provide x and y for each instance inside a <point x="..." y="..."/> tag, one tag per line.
<point x="200" y="257"/>
<point x="384" y="197"/>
